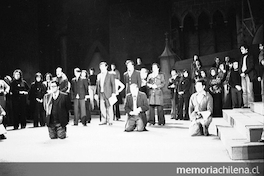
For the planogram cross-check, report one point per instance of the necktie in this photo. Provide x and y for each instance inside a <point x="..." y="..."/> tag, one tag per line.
<point x="134" y="103"/>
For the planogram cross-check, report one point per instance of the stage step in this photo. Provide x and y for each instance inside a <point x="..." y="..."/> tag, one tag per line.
<point x="246" y="122"/>
<point x="257" y="107"/>
<point x="238" y="146"/>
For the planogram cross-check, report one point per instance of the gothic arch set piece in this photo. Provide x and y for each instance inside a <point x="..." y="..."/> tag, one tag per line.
<point x="203" y="32"/>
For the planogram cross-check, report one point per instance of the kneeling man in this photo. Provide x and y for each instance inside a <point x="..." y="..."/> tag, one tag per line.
<point x="200" y="110"/>
<point x="136" y="104"/>
<point x="57" y="105"/>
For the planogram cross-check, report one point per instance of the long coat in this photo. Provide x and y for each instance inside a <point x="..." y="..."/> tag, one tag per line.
<point x="156" y="95"/>
<point x="37" y="90"/>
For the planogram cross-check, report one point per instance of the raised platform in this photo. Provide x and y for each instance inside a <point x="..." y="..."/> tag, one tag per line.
<point x="240" y="130"/>
<point x="247" y="123"/>
<point x="257" y="107"/>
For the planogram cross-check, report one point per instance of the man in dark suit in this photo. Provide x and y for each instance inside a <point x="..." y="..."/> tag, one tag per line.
<point x="248" y="74"/>
<point x="106" y="89"/>
<point x="131" y="76"/>
<point x="136" y="105"/>
<point x="79" y="93"/>
<point x="57" y="105"/>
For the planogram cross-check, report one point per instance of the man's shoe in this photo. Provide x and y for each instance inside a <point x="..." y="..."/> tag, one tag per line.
<point x="103" y="123"/>
<point x="261" y="140"/>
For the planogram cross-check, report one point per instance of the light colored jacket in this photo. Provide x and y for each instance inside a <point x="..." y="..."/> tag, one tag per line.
<point x="205" y="105"/>
<point x="156" y="95"/>
<point x="47" y="103"/>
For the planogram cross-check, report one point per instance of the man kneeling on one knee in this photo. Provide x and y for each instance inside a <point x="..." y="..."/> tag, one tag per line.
<point x="200" y="110"/>
<point x="136" y="104"/>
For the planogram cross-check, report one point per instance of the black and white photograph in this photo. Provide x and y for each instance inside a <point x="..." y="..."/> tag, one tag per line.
<point x="131" y="87"/>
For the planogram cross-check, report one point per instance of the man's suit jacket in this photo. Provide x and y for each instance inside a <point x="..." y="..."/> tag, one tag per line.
<point x="142" y="102"/>
<point x="250" y="67"/>
<point x="64" y="107"/>
<point x="109" y="86"/>
<point x="79" y="87"/>
<point x="135" y="78"/>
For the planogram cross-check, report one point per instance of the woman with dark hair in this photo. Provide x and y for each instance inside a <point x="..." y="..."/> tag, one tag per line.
<point x="184" y="95"/>
<point x="36" y="94"/>
<point x="173" y="85"/>
<point x="204" y="76"/>
<point x="195" y="58"/>
<point x="215" y="89"/>
<point x="92" y="89"/>
<point x="216" y="63"/>
<point x="224" y="74"/>
<point x="155" y="82"/>
<point x="85" y="76"/>
<point x="19" y="90"/>
<point x="196" y="65"/>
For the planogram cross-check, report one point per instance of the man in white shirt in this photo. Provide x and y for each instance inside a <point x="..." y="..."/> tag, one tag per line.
<point x="106" y="89"/>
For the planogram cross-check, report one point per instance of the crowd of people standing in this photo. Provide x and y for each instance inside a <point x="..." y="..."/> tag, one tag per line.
<point x="228" y="84"/>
